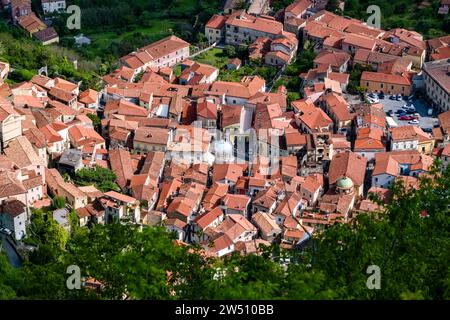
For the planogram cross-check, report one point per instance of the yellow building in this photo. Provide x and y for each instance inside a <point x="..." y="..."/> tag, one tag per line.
<point x="411" y="138"/>
<point x="150" y="139"/>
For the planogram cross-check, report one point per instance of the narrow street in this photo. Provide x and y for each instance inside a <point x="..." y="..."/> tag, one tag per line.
<point x="275" y="79"/>
<point x="13" y="258"/>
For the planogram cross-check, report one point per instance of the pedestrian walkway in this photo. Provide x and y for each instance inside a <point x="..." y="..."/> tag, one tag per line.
<point x="203" y="50"/>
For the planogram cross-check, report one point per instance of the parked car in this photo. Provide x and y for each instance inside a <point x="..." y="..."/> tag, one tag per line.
<point x="406" y="118"/>
<point x="390" y="113"/>
<point x="393" y="97"/>
<point x="373" y="100"/>
<point x="372" y="95"/>
<point x="399" y="97"/>
<point x="381" y="95"/>
<point x="427" y="130"/>
<point x="6" y="231"/>
<point x="415" y="121"/>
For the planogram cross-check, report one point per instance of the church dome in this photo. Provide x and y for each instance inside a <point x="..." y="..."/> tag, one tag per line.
<point x="345" y="183"/>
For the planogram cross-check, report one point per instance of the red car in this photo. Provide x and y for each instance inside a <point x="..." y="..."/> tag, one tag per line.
<point x="406" y="118"/>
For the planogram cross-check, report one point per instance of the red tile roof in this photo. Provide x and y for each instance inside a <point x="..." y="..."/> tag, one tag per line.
<point x="206" y="219"/>
<point x="216" y="22"/>
<point x="243" y="20"/>
<point x="120" y="162"/>
<point x="385" y="78"/>
<point x="348" y="164"/>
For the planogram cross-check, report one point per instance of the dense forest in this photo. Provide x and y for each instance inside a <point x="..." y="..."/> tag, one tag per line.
<point x="409" y="241"/>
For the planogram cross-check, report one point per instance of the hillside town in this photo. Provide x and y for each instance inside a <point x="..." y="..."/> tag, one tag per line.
<point x="229" y="165"/>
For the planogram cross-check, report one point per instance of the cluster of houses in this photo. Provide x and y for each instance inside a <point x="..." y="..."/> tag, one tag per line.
<point x="224" y="164"/>
<point x="22" y="14"/>
<point x="266" y="37"/>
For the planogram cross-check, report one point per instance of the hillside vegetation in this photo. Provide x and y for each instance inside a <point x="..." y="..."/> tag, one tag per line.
<point x="118" y="27"/>
<point x="27" y="57"/>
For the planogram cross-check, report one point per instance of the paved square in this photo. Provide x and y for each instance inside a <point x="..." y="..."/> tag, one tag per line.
<point x="425" y="120"/>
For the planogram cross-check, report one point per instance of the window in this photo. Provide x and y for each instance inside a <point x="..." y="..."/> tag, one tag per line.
<point x="382" y="85"/>
<point x="367" y="84"/>
<point x="376" y="179"/>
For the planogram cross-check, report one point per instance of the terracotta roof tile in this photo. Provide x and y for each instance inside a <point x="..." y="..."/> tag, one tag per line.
<point x="348" y="164"/>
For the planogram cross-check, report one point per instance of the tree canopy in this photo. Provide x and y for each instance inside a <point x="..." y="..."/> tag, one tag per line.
<point x="103" y="178"/>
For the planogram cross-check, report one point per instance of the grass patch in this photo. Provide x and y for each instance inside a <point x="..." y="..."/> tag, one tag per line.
<point x="215" y="57"/>
<point x="119" y="44"/>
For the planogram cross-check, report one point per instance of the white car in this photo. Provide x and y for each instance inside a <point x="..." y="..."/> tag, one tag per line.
<point x="415" y="121"/>
<point x="373" y="100"/>
<point x="6" y="231"/>
<point x="409" y="107"/>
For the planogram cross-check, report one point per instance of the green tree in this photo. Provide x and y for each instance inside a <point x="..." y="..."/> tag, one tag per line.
<point x="230" y="51"/>
<point x="58" y="203"/>
<point x="103" y="178"/>
<point x="332" y="5"/>
<point x="96" y="121"/>
<point x="6" y="277"/>
<point x="44" y="230"/>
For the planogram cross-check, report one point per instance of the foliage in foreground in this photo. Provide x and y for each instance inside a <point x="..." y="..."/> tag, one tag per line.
<point x="409" y="242"/>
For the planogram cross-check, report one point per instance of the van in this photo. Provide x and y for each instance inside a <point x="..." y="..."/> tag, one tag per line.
<point x="391" y="122"/>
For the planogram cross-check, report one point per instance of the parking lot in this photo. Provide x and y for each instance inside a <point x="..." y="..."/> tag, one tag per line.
<point x="425" y="120"/>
